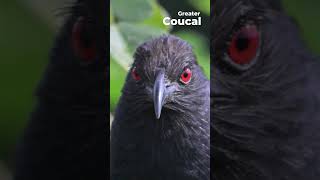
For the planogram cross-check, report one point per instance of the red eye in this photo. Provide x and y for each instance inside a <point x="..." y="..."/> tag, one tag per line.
<point x="83" y="41"/>
<point x="135" y="74"/>
<point x="244" y="45"/>
<point x="186" y="75"/>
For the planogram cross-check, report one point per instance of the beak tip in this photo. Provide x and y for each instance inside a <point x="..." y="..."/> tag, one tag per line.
<point x="157" y="113"/>
<point x="158" y="94"/>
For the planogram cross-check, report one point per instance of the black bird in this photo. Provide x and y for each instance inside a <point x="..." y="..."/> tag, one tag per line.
<point x="66" y="137"/>
<point x="265" y="95"/>
<point x="161" y="126"/>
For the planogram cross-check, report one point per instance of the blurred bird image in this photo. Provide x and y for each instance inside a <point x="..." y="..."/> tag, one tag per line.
<point x="66" y="137"/>
<point x="161" y="126"/>
<point x="265" y="95"/>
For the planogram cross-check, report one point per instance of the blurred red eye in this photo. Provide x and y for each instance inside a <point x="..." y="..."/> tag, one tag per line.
<point x="185" y="77"/>
<point x="83" y="40"/>
<point x="135" y="74"/>
<point x="244" y="45"/>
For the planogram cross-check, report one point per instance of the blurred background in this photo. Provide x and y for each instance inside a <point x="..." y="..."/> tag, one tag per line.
<point x="28" y="27"/>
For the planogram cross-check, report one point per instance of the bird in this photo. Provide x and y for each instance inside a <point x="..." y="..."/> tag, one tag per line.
<point x="265" y="113"/>
<point x="65" y="137"/>
<point x="161" y="128"/>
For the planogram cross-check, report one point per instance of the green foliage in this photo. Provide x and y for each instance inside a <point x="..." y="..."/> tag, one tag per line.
<point x="157" y="15"/>
<point x="117" y="79"/>
<point x="134" y="10"/>
<point x="135" y="34"/>
<point x="203" y="6"/>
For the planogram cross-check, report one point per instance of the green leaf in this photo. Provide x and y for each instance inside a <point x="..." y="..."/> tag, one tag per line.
<point x="118" y="48"/>
<point x="158" y="13"/>
<point x="203" y="6"/>
<point x="133" y="10"/>
<point x="111" y="17"/>
<point x="117" y="79"/>
<point x="136" y="34"/>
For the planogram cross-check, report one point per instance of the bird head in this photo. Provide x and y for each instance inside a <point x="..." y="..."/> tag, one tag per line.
<point x="262" y="92"/>
<point x="165" y="74"/>
<point x="78" y="60"/>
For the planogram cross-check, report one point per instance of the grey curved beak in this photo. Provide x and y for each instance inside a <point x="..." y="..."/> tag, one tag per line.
<point x="159" y="93"/>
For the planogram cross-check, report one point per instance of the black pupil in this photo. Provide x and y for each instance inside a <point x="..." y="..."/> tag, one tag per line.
<point x="185" y="75"/>
<point x="242" y="42"/>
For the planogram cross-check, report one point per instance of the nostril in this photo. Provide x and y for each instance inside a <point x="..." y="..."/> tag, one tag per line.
<point x="170" y="88"/>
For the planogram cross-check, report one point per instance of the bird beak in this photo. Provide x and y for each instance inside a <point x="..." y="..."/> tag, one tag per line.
<point x="159" y="93"/>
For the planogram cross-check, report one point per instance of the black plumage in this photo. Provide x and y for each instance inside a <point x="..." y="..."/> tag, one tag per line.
<point x="66" y="135"/>
<point x="161" y="126"/>
<point x="264" y="106"/>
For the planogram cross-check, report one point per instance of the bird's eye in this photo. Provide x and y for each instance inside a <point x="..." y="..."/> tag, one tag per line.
<point x="135" y="74"/>
<point x="185" y="76"/>
<point x="244" y="45"/>
<point x="83" y="40"/>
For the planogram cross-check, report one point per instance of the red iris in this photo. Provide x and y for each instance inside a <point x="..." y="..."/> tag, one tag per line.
<point x="83" y="41"/>
<point x="135" y="74"/>
<point x="244" y="45"/>
<point x="186" y="75"/>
